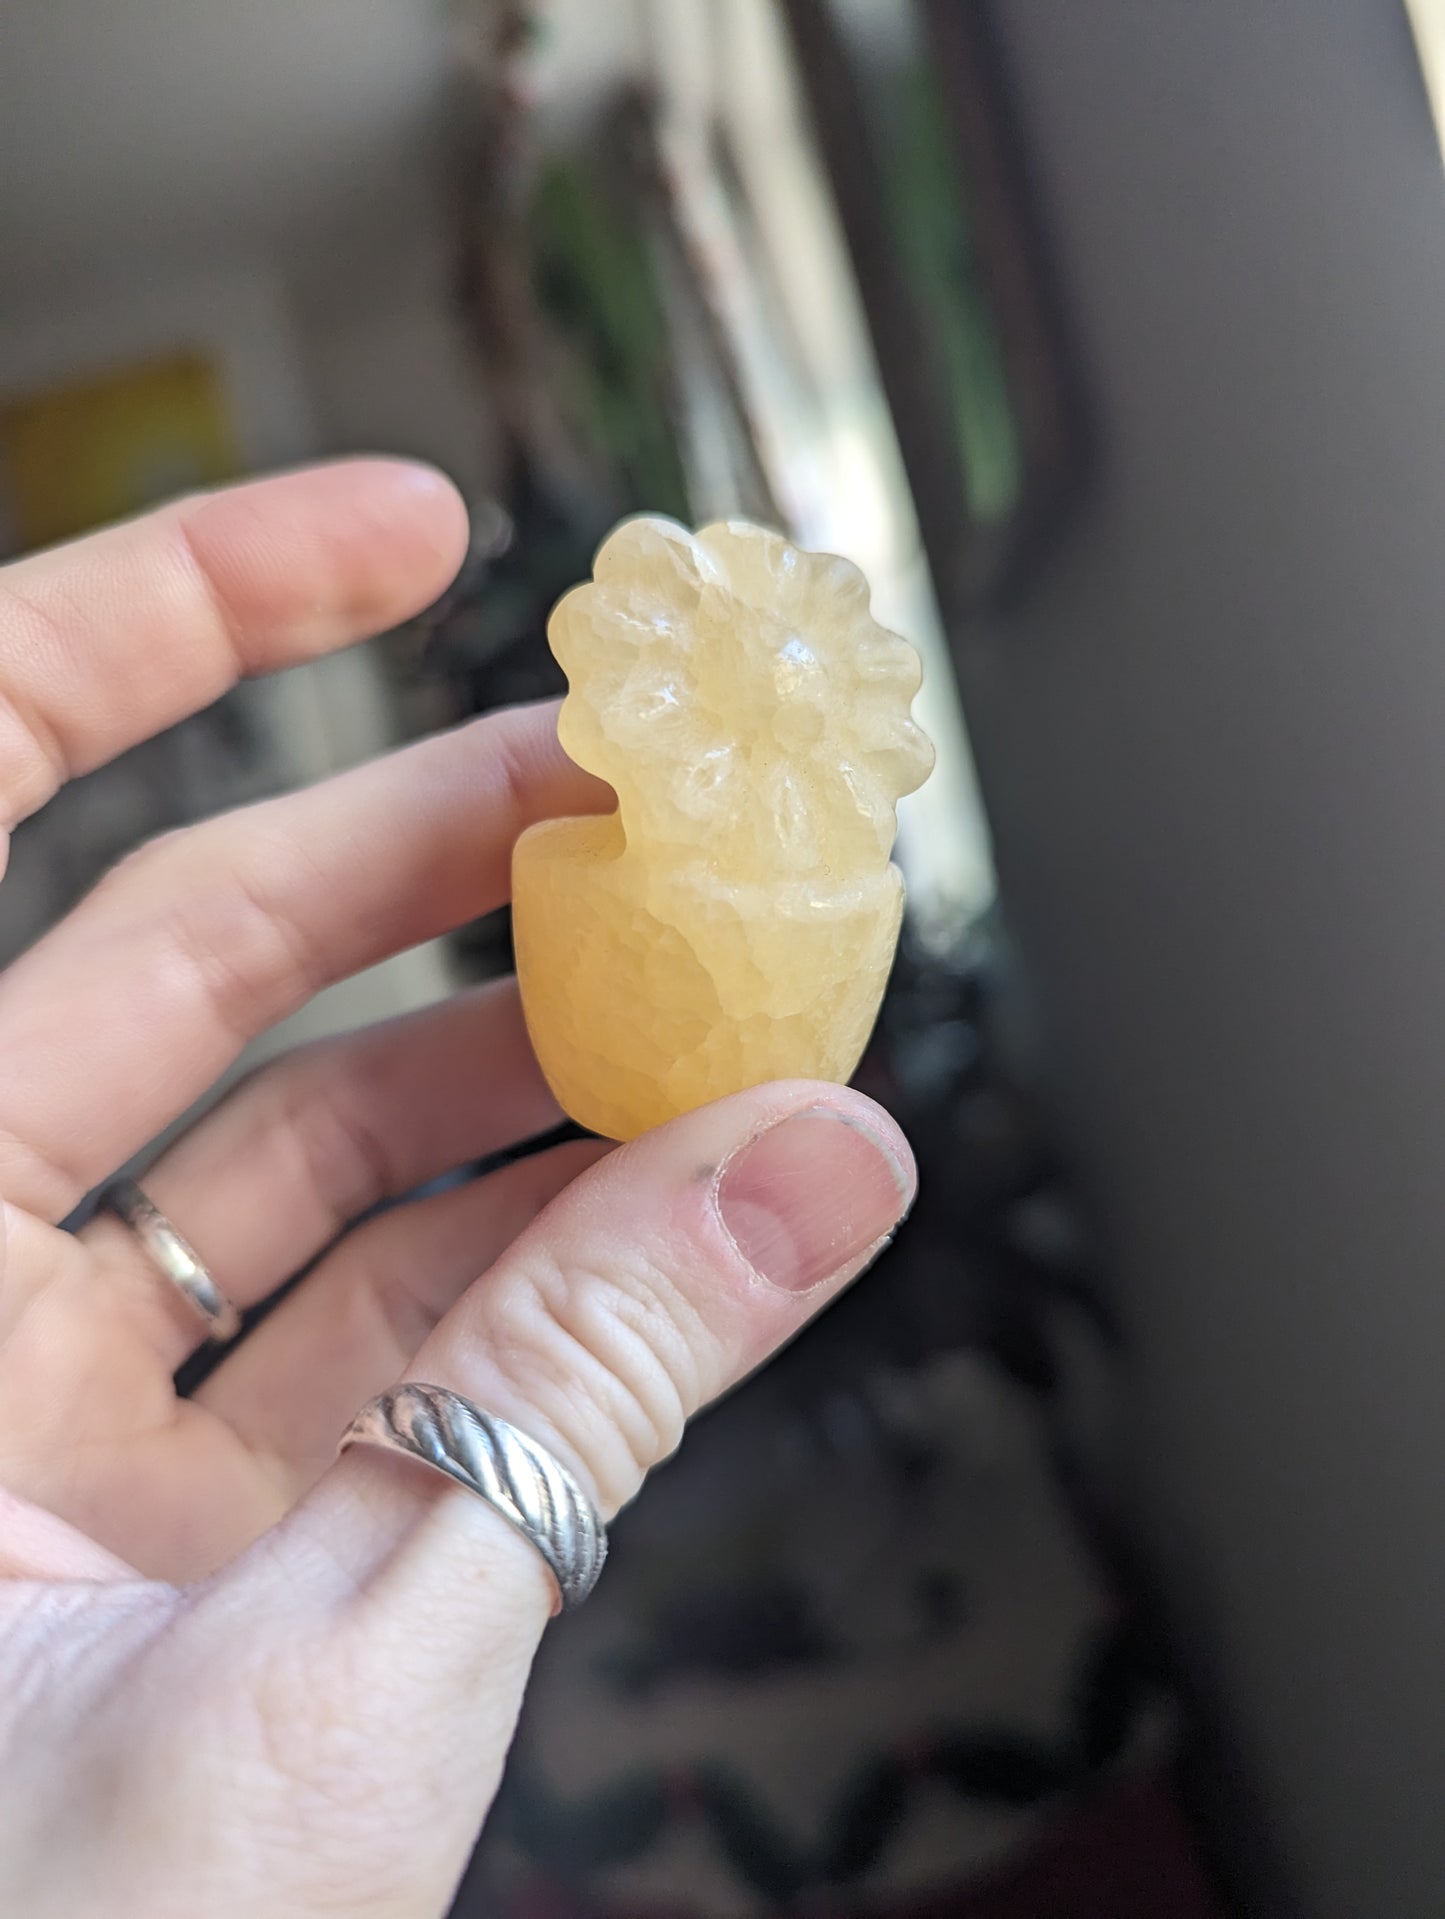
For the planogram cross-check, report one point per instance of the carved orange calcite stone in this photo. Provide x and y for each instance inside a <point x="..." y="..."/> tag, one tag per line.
<point x="735" y="919"/>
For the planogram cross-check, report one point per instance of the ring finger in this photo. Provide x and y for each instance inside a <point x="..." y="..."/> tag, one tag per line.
<point x="309" y="1144"/>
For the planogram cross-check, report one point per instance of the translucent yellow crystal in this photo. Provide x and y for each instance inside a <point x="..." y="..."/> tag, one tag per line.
<point x="735" y="919"/>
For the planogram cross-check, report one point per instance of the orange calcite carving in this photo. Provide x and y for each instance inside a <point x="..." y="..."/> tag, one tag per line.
<point x="735" y="919"/>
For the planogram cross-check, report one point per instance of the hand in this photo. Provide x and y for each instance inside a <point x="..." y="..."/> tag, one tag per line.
<point x="236" y="1674"/>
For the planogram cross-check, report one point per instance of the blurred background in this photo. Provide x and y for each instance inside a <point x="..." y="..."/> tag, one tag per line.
<point x="1107" y="340"/>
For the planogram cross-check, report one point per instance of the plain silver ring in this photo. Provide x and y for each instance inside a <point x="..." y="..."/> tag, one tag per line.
<point x="173" y="1256"/>
<point x="512" y="1473"/>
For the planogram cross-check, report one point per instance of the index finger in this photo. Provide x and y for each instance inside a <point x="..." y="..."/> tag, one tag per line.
<point x="112" y="638"/>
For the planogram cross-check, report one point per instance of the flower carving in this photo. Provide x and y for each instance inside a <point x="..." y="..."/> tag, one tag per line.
<point x="727" y="682"/>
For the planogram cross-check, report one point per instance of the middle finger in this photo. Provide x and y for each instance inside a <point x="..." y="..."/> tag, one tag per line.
<point x="137" y="1002"/>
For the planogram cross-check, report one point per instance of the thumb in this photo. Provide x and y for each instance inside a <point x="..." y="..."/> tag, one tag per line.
<point x="662" y="1276"/>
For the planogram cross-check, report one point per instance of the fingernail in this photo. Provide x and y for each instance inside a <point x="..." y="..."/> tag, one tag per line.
<point x="811" y="1196"/>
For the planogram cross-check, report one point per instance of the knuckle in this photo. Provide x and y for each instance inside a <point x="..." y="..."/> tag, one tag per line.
<point x="402" y="1312"/>
<point x="31" y="766"/>
<point x="236" y="957"/>
<point x="345" y="1156"/>
<point x="615" y="1363"/>
<point x="35" y="759"/>
<point x="153" y="858"/>
<point x="213" y="899"/>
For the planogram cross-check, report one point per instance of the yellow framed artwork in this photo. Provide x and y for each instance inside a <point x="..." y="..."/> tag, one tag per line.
<point x="78" y="454"/>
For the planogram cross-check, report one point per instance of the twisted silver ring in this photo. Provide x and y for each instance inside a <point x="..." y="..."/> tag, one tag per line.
<point x="517" y="1477"/>
<point x="174" y="1256"/>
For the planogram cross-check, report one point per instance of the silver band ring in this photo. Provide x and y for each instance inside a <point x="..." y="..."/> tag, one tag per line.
<point x="173" y="1256"/>
<point x="517" y="1477"/>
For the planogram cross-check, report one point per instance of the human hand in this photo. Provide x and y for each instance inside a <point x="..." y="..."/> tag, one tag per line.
<point x="236" y="1674"/>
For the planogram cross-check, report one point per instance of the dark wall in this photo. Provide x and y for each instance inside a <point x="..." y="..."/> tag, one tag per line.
<point x="1212" y="736"/>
